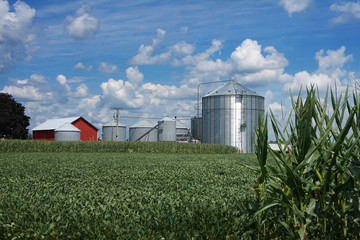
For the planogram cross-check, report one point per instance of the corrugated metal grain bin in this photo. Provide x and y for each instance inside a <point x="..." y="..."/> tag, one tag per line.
<point x="67" y="132"/>
<point x="143" y="131"/>
<point x="230" y="115"/>
<point x="182" y="131"/>
<point x="196" y="128"/>
<point x="167" y="130"/>
<point x="111" y="133"/>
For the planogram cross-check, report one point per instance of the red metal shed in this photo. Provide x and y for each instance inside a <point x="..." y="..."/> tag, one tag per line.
<point x="45" y="131"/>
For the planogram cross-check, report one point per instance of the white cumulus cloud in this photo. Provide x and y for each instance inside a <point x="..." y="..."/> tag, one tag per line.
<point x="38" y="79"/>
<point x="183" y="48"/>
<point x="134" y="75"/>
<point x="24" y="92"/>
<point x="349" y="11"/>
<point x="81" y="91"/>
<point x="107" y="67"/>
<point x="332" y="63"/>
<point x="123" y="92"/>
<point x="43" y="102"/>
<point x="292" y="6"/>
<point x="81" y="66"/>
<point x="61" y="79"/>
<point x="89" y="103"/>
<point x="184" y="29"/>
<point x="82" y="25"/>
<point x="276" y="107"/>
<point x="66" y="94"/>
<point x="249" y="62"/>
<point x="147" y="97"/>
<point x="304" y="79"/>
<point x="64" y="91"/>
<point x="329" y="73"/>
<point x="248" y="57"/>
<point x="144" y="55"/>
<point x="34" y="88"/>
<point x="16" y="33"/>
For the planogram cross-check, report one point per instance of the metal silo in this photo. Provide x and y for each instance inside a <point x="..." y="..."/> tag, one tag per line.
<point x="230" y="115"/>
<point x="196" y="128"/>
<point x="167" y="130"/>
<point x="67" y="132"/>
<point x="182" y="131"/>
<point x="109" y="132"/>
<point x="143" y="131"/>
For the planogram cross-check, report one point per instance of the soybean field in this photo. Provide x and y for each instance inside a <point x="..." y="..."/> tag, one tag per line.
<point x="109" y="195"/>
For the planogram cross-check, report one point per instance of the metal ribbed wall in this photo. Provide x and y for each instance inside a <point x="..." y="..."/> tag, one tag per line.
<point x="182" y="132"/>
<point x="230" y="115"/>
<point x="167" y="130"/>
<point x="142" y="127"/>
<point x="196" y="128"/>
<point x="67" y="132"/>
<point x="110" y="134"/>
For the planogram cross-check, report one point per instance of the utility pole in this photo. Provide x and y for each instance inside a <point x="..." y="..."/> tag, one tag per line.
<point x="116" y="118"/>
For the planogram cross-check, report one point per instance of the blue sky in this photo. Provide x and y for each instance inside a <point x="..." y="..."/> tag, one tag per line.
<point x="81" y="58"/>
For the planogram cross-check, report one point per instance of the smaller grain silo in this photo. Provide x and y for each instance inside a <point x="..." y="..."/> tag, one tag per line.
<point x="196" y="128"/>
<point x="167" y="130"/>
<point x="111" y="133"/>
<point x="67" y="132"/>
<point x="182" y="131"/>
<point x="143" y="131"/>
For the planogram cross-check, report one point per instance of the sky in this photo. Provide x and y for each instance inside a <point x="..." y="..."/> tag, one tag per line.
<point x="83" y="58"/>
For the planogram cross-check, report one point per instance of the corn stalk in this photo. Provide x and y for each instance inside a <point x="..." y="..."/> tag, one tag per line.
<point x="312" y="188"/>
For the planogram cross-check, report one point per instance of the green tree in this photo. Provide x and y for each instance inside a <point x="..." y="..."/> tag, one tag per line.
<point x="13" y="121"/>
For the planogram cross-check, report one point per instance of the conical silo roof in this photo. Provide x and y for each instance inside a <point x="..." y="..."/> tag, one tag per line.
<point x="143" y="123"/>
<point x="180" y="124"/>
<point x="167" y="119"/>
<point x="232" y="88"/>
<point x="113" y="124"/>
<point x="67" y="127"/>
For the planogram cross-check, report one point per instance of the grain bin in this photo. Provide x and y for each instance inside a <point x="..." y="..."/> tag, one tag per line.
<point x="67" y="132"/>
<point x="109" y="132"/>
<point x="167" y="130"/>
<point x="196" y="128"/>
<point x="230" y="115"/>
<point x="143" y="131"/>
<point x="182" y="131"/>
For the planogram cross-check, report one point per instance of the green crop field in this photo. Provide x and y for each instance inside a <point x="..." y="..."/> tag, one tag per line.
<point x="107" y="195"/>
<point x="309" y="189"/>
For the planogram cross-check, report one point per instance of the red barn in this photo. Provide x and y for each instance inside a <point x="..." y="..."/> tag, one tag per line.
<point x="46" y="130"/>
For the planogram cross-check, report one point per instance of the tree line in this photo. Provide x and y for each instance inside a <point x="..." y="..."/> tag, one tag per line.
<point x="13" y="121"/>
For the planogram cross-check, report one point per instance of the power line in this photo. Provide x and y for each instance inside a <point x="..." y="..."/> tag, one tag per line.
<point x="156" y="118"/>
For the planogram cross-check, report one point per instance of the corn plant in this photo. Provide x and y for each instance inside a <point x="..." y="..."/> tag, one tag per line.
<point x="128" y="147"/>
<point x="312" y="188"/>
